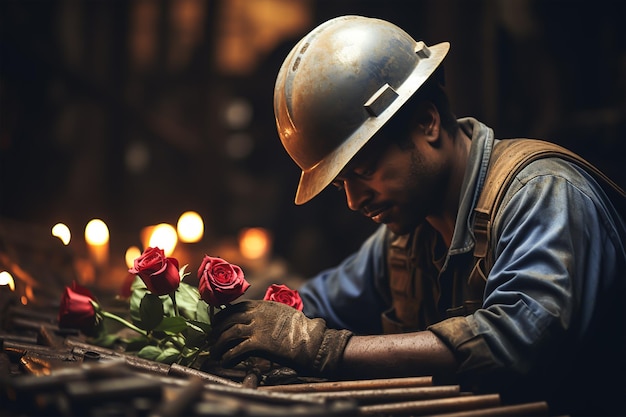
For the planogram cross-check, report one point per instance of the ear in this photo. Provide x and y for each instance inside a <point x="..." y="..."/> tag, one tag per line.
<point x="429" y="121"/>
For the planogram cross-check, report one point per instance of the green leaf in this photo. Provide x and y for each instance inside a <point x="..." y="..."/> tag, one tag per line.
<point x="138" y="284"/>
<point x="202" y="312"/>
<point x="151" y="311"/>
<point x="196" y="334"/>
<point x="172" y="325"/>
<point x="168" y="355"/>
<point x="150" y="352"/>
<point x="204" y="327"/>
<point x="139" y="290"/>
<point x="136" y="343"/>
<point x="187" y="298"/>
<point x="107" y="340"/>
<point x="182" y="272"/>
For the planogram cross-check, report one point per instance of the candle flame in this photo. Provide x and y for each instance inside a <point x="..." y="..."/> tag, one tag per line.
<point x="132" y="253"/>
<point x="190" y="227"/>
<point x="61" y="231"/>
<point x="164" y="236"/>
<point x="254" y="243"/>
<point x="96" y="232"/>
<point x="7" y="279"/>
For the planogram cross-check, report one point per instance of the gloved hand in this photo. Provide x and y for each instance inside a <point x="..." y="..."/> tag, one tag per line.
<point x="280" y="333"/>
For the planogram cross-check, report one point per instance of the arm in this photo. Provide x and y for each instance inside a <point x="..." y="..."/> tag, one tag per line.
<point x="338" y="295"/>
<point x="285" y="335"/>
<point x="555" y="260"/>
<point x="386" y="356"/>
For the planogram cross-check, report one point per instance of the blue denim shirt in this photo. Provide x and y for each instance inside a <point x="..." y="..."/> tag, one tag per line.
<point x="551" y="316"/>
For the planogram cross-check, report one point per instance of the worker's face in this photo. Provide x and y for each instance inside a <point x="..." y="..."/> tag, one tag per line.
<point x="398" y="183"/>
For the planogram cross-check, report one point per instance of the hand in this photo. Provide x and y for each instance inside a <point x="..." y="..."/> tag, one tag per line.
<point x="279" y="333"/>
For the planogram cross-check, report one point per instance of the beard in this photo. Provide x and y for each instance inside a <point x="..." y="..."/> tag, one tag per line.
<point x="425" y="188"/>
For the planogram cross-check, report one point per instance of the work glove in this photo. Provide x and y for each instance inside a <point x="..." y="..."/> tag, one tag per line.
<point x="280" y="333"/>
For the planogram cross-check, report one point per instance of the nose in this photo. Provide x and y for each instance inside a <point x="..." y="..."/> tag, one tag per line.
<point x="357" y="193"/>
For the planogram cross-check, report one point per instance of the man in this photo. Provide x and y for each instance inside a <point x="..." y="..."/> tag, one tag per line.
<point x="534" y="313"/>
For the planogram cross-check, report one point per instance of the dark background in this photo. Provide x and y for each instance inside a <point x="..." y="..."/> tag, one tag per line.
<point x="90" y="89"/>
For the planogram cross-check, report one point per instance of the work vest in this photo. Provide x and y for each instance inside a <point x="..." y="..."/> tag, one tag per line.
<point x="414" y="291"/>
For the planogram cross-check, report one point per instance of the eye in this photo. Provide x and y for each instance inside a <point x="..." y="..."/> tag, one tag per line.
<point x="365" y="172"/>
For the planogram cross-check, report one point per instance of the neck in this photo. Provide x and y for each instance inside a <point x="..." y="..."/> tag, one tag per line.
<point x="444" y="223"/>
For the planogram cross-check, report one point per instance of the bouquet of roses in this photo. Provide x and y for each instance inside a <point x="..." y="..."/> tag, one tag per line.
<point x="171" y="320"/>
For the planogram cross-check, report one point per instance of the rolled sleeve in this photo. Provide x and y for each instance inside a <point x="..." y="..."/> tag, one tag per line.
<point x="543" y="289"/>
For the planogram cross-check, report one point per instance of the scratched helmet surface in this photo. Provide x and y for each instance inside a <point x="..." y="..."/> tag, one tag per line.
<point x="339" y="85"/>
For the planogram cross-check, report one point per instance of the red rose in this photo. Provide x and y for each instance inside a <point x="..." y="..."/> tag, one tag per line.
<point x="283" y="294"/>
<point x="159" y="273"/>
<point x="76" y="311"/>
<point x="220" y="282"/>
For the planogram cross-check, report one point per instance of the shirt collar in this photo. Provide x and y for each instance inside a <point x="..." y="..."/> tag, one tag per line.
<point x="475" y="171"/>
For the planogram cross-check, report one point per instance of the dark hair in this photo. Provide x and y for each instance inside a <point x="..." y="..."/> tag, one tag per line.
<point x="431" y="91"/>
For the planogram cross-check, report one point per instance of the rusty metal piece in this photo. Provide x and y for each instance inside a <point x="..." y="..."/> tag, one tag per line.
<point x="246" y="393"/>
<point x="369" y="396"/>
<point x="81" y="348"/>
<point x="421" y="381"/>
<point x="134" y="362"/>
<point x="26" y="312"/>
<point x="33" y="367"/>
<point x="16" y="350"/>
<point x="529" y="409"/>
<point x="153" y="367"/>
<point x="77" y="371"/>
<point x="180" y="370"/>
<point x="22" y="338"/>
<point x="29" y="323"/>
<point x="441" y="405"/>
<point x="213" y="367"/>
<point x="49" y="338"/>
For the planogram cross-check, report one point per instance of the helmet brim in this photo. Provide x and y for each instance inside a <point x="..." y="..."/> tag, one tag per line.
<point x="318" y="177"/>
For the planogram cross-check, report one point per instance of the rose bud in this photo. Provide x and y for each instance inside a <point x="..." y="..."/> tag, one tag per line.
<point x="159" y="273"/>
<point x="220" y="282"/>
<point x="77" y="310"/>
<point x="285" y="295"/>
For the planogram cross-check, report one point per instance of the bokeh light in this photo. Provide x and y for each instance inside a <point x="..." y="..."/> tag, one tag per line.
<point x="61" y="231"/>
<point x="96" y="232"/>
<point x="164" y="236"/>
<point x="190" y="227"/>
<point x="254" y="243"/>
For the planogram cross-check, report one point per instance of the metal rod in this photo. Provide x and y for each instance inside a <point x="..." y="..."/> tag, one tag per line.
<point x="154" y="367"/>
<point x="368" y="396"/>
<point x="470" y="402"/>
<point x="180" y="370"/>
<point x="421" y="381"/>
<point x="246" y="393"/>
<point x="528" y="409"/>
<point x="49" y="338"/>
<point x="17" y="349"/>
<point x="22" y="338"/>
<point x="33" y="367"/>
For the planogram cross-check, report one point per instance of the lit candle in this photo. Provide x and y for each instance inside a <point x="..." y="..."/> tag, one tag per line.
<point x="163" y="236"/>
<point x="254" y="243"/>
<point x="97" y="238"/>
<point x="132" y="253"/>
<point x="6" y="280"/>
<point x="61" y="231"/>
<point x="190" y="227"/>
